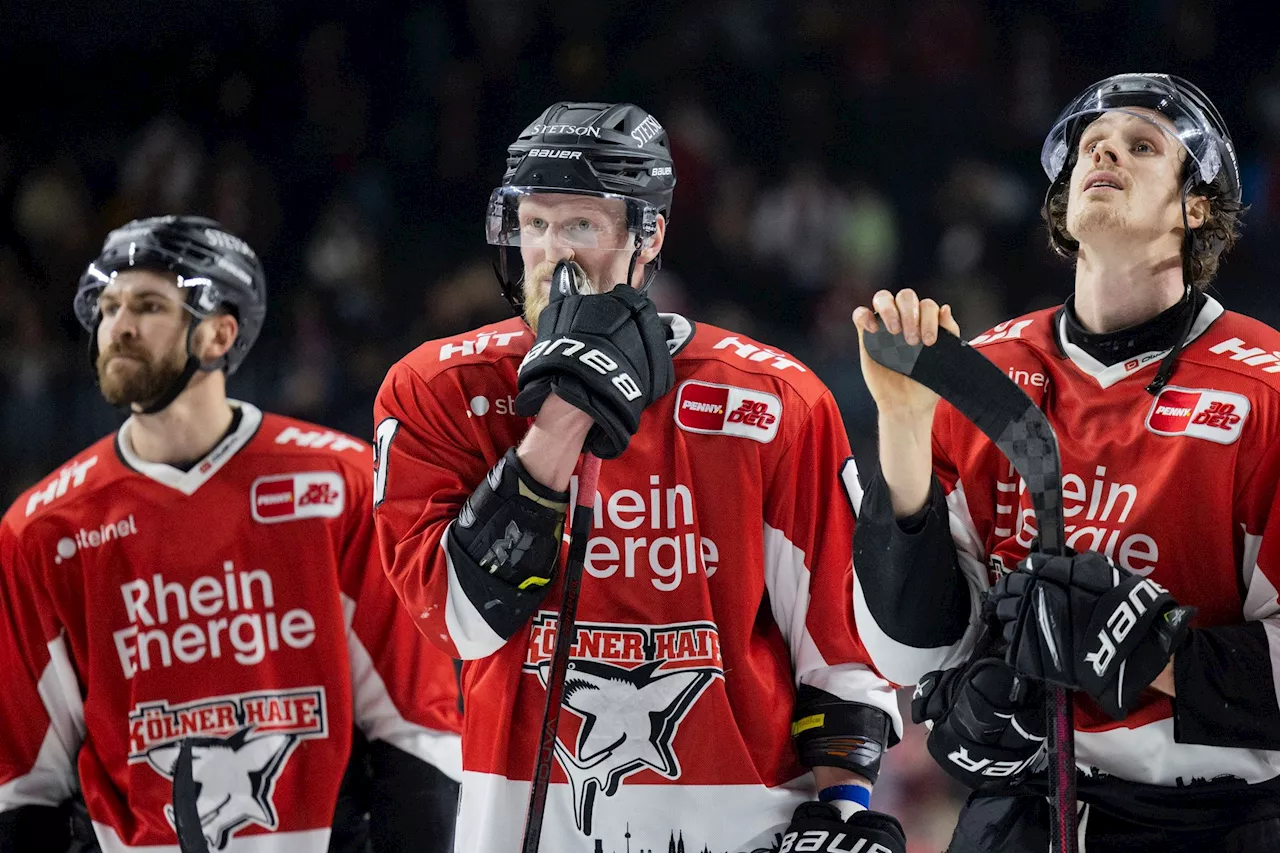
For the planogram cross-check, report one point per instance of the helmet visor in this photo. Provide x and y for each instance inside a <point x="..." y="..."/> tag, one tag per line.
<point x="200" y="294"/>
<point x="542" y="217"/>
<point x="1191" y="121"/>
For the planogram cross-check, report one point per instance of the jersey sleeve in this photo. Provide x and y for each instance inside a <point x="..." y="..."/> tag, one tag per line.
<point x="425" y="471"/>
<point x="404" y="688"/>
<point x="1227" y="678"/>
<point x="41" y="713"/>
<point x="808" y="539"/>
<point x="918" y="581"/>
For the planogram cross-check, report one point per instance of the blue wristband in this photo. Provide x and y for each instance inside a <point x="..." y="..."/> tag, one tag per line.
<point x="853" y="793"/>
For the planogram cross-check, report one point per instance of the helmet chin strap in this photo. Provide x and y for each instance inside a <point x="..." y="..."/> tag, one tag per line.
<point x="183" y="379"/>
<point x="1165" y="373"/>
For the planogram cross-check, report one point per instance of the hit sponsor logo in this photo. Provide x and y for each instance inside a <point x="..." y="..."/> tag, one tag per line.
<point x="69" y="477"/>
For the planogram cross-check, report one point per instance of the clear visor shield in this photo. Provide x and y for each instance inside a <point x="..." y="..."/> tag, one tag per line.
<point x="1185" y="115"/>
<point x="533" y="217"/>
<point x="200" y="295"/>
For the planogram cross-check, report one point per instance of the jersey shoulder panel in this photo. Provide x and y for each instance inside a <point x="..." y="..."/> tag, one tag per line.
<point x="719" y="355"/>
<point x="313" y="444"/>
<point x="487" y="345"/>
<point x="1239" y="345"/>
<point x="70" y="485"/>
<point x="1035" y="331"/>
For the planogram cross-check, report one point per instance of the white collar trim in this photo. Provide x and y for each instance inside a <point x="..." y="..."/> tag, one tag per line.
<point x="1107" y="375"/>
<point x="681" y="332"/>
<point x="188" y="482"/>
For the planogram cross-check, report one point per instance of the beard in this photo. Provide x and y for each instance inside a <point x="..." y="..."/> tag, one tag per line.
<point x="537" y="297"/>
<point x="141" y="381"/>
<point x="1098" y="218"/>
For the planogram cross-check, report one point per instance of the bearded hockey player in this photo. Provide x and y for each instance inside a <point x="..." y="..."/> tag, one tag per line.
<point x="195" y="628"/>
<point x="1164" y="616"/>
<point x="715" y="614"/>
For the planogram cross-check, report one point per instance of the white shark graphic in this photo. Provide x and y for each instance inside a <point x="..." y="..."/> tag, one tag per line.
<point x="234" y="776"/>
<point x="629" y="718"/>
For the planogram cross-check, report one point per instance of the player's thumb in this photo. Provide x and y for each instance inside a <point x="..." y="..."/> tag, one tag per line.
<point x="948" y="321"/>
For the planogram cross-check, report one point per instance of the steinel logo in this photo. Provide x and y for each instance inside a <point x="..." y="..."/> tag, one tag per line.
<point x="707" y="408"/>
<point x="69" y="546"/>
<point x="288" y="497"/>
<point x="1216" y="416"/>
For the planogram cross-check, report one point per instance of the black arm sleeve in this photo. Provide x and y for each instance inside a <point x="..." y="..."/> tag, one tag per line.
<point x="1226" y="692"/>
<point x="412" y="805"/>
<point x="35" y="829"/>
<point x="908" y="569"/>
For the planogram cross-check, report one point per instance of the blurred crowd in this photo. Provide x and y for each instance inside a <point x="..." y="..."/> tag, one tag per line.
<point x="824" y="149"/>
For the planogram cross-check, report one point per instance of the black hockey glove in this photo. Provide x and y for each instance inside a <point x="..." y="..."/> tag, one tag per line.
<point x="603" y="353"/>
<point x="988" y="723"/>
<point x="817" y="827"/>
<point x="1085" y="623"/>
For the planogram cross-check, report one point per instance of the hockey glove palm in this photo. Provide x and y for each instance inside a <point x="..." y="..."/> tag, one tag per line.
<point x="603" y="353"/>
<point x="1083" y="622"/>
<point x="988" y="723"/>
<point x="818" y="827"/>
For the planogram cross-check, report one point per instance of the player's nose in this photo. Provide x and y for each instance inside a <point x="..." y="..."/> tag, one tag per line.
<point x="1105" y="151"/>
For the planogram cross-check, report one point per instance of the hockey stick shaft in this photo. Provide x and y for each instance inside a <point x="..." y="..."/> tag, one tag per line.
<point x="186" y="815"/>
<point x="566" y="631"/>
<point x="996" y="405"/>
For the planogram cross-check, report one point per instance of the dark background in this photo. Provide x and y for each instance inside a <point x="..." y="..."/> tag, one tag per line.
<point x="823" y="150"/>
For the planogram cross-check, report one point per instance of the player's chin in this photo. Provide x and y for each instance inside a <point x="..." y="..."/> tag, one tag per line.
<point x="1097" y="218"/>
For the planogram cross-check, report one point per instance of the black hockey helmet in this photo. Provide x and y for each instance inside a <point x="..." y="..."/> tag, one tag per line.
<point x="605" y="150"/>
<point x="215" y="269"/>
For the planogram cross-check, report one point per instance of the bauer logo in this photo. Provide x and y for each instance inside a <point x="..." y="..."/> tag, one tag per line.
<point x="1216" y="416"/>
<point x="289" y="497"/>
<point x="727" y="410"/>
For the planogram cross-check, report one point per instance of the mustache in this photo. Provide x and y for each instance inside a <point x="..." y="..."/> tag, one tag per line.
<point x="117" y="349"/>
<point x="545" y="268"/>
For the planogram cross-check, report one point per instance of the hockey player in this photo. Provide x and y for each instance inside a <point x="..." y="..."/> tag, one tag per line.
<point x="715" y="614"/>
<point x="1164" y="615"/>
<point x="196" y="604"/>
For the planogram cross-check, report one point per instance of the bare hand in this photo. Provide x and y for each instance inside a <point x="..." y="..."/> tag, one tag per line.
<point x="898" y="397"/>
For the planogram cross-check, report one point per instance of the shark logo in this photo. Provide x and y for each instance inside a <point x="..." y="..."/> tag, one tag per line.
<point x="234" y="778"/>
<point x="631" y="686"/>
<point x="239" y="745"/>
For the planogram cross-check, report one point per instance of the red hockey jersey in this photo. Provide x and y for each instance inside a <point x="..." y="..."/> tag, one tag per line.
<point x="717" y="577"/>
<point x="241" y="604"/>
<point x="1180" y="487"/>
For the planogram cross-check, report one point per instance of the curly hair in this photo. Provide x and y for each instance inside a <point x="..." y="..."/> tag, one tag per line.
<point x="1209" y="242"/>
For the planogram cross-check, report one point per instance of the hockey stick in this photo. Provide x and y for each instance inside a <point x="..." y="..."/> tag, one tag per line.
<point x="186" y="816"/>
<point x="566" y="631"/>
<point x="995" y="404"/>
<point x="567" y="278"/>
